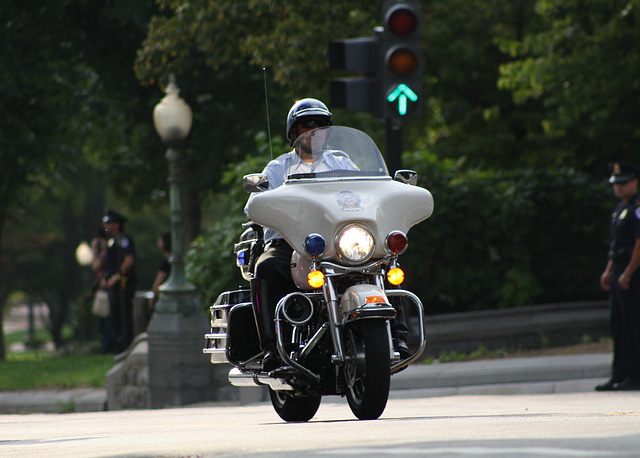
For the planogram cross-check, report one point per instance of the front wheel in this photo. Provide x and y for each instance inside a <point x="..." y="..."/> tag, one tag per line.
<point x="368" y="371"/>
<point x="291" y="408"/>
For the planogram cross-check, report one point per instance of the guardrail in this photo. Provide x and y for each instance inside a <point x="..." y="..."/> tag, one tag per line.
<point x="530" y="327"/>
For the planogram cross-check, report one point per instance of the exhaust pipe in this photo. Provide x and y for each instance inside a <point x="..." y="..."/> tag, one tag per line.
<point x="244" y="379"/>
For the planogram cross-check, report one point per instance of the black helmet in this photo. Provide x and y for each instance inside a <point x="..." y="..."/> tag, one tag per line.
<point x="302" y="109"/>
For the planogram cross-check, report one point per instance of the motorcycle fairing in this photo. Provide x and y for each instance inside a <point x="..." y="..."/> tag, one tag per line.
<point x="326" y="207"/>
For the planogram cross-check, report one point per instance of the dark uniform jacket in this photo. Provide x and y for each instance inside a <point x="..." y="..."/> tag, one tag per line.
<point x="625" y="229"/>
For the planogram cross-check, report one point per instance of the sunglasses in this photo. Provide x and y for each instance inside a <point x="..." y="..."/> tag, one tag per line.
<point x="313" y="123"/>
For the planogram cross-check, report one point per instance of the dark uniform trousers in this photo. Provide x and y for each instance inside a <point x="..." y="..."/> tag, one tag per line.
<point x="272" y="281"/>
<point x="625" y="324"/>
<point x="118" y="329"/>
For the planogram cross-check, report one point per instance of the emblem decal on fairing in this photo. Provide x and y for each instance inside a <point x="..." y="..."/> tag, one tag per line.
<point x="348" y="201"/>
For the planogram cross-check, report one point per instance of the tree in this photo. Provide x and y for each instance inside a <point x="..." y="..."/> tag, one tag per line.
<point x="57" y="104"/>
<point x="37" y="79"/>
<point x="579" y="66"/>
<point x="222" y="54"/>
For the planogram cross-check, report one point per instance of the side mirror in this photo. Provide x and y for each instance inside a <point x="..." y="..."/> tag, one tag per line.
<point x="406" y="176"/>
<point x="255" y="182"/>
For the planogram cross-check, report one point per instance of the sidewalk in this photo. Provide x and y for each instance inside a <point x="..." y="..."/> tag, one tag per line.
<point x="534" y="375"/>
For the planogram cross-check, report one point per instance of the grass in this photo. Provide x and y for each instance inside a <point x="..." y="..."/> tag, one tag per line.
<point x="482" y="352"/>
<point x="38" y="370"/>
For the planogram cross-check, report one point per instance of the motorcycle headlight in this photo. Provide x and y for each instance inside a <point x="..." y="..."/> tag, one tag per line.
<point x="355" y="244"/>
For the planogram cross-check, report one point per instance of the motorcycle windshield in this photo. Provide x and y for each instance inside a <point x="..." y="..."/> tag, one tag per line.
<point x="338" y="178"/>
<point x="336" y="152"/>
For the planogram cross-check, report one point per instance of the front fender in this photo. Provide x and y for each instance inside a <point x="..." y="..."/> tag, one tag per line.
<point x="365" y="301"/>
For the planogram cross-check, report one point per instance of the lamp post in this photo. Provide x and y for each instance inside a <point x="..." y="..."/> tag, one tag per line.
<point x="89" y="324"/>
<point x="172" y="119"/>
<point x="178" y="373"/>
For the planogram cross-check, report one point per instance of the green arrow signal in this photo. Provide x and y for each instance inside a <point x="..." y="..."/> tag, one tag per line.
<point x="402" y="92"/>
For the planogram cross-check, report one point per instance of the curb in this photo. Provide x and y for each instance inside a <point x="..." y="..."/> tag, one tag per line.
<point x="504" y="370"/>
<point x="67" y="401"/>
<point x="504" y="376"/>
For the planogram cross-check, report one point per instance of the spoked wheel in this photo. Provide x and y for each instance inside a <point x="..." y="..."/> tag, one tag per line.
<point x="368" y="370"/>
<point x="291" y="408"/>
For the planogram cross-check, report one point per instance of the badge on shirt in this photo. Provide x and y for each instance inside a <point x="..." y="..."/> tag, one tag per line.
<point x="623" y="214"/>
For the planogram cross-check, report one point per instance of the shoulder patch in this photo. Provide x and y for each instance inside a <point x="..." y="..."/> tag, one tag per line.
<point x="637" y="212"/>
<point x="124" y="242"/>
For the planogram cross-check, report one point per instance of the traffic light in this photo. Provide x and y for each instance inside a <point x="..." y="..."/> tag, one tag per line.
<point x="401" y="61"/>
<point x="356" y="93"/>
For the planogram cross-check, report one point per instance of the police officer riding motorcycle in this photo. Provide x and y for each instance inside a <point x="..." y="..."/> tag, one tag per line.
<point x="323" y="314"/>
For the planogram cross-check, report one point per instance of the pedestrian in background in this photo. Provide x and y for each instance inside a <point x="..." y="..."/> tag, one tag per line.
<point x="99" y="253"/>
<point x="164" y="244"/>
<point x="119" y="278"/>
<point x="622" y="279"/>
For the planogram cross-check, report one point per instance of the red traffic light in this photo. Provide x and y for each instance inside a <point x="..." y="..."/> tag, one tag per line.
<point x="401" y="20"/>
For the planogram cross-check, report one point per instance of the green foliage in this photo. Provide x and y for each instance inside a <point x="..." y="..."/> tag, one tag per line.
<point x="211" y="262"/>
<point x="482" y="352"/>
<point x="40" y="338"/>
<point x="507" y="238"/>
<point x="578" y="66"/>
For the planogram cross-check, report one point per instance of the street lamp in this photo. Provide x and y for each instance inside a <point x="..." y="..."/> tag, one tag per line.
<point x="178" y="373"/>
<point x="84" y="254"/>
<point x="172" y="119"/>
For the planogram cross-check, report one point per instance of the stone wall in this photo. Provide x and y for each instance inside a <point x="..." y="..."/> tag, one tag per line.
<point x="127" y="382"/>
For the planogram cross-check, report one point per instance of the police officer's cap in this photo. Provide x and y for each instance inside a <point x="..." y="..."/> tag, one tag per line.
<point x="621" y="172"/>
<point x="112" y="216"/>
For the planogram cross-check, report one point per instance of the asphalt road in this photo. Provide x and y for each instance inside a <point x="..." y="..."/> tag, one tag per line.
<point x="558" y="425"/>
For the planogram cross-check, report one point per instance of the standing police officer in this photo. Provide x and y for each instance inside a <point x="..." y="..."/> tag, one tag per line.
<point x="622" y="279"/>
<point x="119" y="278"/>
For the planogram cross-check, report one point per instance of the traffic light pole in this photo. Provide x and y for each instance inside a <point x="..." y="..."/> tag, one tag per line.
<point x="393" y="134"/>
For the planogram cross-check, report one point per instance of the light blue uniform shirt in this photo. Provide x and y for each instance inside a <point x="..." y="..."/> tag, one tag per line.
<point x="290" y="163"/>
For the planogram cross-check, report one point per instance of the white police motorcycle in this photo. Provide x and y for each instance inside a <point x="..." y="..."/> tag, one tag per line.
<point x="347" y="228"/>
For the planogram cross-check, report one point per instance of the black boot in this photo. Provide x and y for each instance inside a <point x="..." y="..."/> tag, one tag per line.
<point x="607" y="386"/>
<point x="401" y="347"/>
<point x="265" y="324"/>
<point x="271" y="359"/>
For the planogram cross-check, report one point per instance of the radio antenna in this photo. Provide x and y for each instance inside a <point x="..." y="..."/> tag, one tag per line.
<point x="266" y="101"/>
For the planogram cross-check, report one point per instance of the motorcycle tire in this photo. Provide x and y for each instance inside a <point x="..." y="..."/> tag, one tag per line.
<point x="291" y="408"/>
<point x="368" y="384"/>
